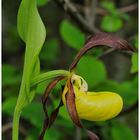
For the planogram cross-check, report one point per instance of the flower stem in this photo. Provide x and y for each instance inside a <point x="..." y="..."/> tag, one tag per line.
<point x="15" y="125"/>
<point x="47" y="75"/>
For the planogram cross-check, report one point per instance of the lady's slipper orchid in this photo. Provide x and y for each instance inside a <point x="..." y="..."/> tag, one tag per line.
<point x="80" y="103"/>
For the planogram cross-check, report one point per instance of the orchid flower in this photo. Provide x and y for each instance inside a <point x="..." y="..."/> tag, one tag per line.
<point x="81" y="103"/>
<point x="92" y="106"/>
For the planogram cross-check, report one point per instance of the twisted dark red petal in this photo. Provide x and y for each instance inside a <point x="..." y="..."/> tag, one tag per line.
<point x="54" y="114"/>
<point x="49" y="120"/>
<point x="104" y="39"/>
<point x="70" y="102"/>
<point x="50" y="87"/>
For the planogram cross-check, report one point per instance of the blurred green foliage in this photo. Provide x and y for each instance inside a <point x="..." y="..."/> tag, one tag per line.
<point x="9" y="71"/>
<point x="134" y="60"/>
<point x="113" y="21"/>
<point x="121" y="132"/>
<point x="72" y="35"/>
<point x="92" y="70"/>
<point x="41" y="2"/>
<point x="51" y="46"/>
<point x="62" y="43"/>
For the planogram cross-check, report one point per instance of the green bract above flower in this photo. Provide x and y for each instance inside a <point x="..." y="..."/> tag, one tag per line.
<point x="80" y="103"/>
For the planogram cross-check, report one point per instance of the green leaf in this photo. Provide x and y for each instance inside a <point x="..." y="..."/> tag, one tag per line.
<point x="134" y="60"/>
<point x="52" y="134"/>
<point x="42" y="2"/>
<point x="64" y="113"/>
<point x="10" y="75"/>
<point x="92" y="70"/>
<point x="72" y="35"/>
<point x="34" y="113"/>
<point x="50" y="51"/>
<point x="35" y="72"/>
<point x="9" y="105"/>
<point x="33" y="133"/>
<point x="111" y="8"/>
<point x="30" y="25"/>
<point x="8" y="69"/>
<point x="122" y="132"/>
<point x="32" y="32"/>
<point x="129" y="92"/>
<point x="111" y="23"/>
<point x="108" y="5"/>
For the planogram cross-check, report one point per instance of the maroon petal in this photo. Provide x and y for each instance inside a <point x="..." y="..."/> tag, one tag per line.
<point x="50" y="87"/>
<point x="49" y="121"/>
<point x="70" y="102"/>
<point x="54" y="114"/>
<point x="101" y="39"/>
<point x="92" y="135"/>
<point x="45" y="126"/>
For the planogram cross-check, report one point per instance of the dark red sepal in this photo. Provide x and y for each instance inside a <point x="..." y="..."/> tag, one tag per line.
<point x="99" y="39"/>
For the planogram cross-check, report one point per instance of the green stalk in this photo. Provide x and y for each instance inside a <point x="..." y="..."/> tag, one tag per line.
<point x="21" y="101"/>
<point x="47" y="75"/>
<point x="16" y="117"/>
<point x="15" y="125"/>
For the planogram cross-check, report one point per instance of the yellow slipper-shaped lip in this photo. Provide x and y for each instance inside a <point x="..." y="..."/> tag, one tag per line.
<point x="95" y="106"/>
